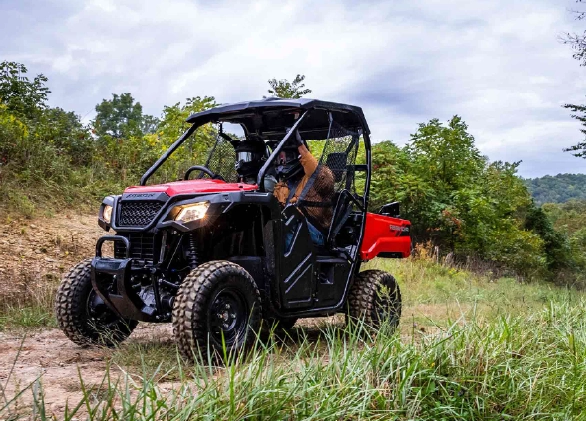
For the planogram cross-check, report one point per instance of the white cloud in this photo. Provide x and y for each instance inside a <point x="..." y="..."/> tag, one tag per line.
<point x="498" y="64"/>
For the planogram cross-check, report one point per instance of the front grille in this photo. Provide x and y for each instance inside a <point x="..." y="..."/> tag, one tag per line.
<point x="138" y="214"/>
<point x="142" y="246"/>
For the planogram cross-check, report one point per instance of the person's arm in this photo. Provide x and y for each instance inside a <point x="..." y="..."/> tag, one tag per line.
<point x="308" y="161"/>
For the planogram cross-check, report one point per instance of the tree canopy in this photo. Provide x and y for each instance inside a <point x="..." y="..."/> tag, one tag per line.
<point x="22" y="96"/>
<point x="122" y="117"/>
<point x="576" y="40"/>
<point x="558" y="188"/>
<point x="285" y="89"/>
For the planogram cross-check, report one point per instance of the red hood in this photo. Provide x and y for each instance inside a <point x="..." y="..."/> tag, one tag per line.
<point x="192" y="186"/>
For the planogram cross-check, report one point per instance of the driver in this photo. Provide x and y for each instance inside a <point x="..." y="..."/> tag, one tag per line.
<point x="303" y="181"/>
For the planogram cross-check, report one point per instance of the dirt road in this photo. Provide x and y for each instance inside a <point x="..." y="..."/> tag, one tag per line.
<point x="48" y="356"/>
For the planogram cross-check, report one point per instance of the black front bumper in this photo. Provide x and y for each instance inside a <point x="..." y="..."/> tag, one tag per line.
<point x="111" y="279"/>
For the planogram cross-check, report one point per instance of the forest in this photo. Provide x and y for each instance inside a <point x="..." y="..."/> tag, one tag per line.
<point x="458" y="201"/>
<point x="558" y="188"/>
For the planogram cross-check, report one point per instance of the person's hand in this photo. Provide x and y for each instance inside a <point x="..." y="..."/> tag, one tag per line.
<point x="298" y="140"/>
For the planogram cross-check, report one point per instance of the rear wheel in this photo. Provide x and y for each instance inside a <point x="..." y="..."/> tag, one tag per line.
<point x="375" y="298"/>
<point x="83" y="316"/>
<point x="218" y="304"/>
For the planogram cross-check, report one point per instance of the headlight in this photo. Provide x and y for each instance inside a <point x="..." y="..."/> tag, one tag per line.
<point x="193" y="212"/>
<point x="107" y="214"/>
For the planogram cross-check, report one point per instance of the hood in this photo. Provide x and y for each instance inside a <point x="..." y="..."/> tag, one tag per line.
<point x="191" y="186"/>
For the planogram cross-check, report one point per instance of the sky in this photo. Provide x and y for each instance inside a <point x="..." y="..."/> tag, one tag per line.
<point x="499" y="64"/>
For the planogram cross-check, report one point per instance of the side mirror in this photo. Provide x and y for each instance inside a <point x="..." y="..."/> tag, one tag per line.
<point x="391" y="209"/>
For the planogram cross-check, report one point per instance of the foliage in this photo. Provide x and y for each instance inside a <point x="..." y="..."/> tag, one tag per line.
<point x="452" y="194"/>
<point x="285" y="89"/>
<point x="49" y="158"/>
<point x="23" y="98"/>
<point x="456" y="198"/>
<point x="570" y="219"/>
<point x="558" y="188"/>
<point x="194" y="150"/>
<point x="556" y="244"/>
<point x="578" y="44"/>
<point x="579" y="113"/>
<point x="577" y="41"/>
<point x="121" y="117"/>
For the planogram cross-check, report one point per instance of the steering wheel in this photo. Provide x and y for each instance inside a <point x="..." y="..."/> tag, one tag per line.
<point x="203" y="169"/>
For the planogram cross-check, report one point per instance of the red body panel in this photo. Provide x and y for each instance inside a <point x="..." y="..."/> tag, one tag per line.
<point x="192" y="186"/>
<point x="384" y="234"/>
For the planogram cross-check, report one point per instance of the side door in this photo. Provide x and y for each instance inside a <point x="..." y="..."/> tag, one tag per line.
<point x="295" y="260"/>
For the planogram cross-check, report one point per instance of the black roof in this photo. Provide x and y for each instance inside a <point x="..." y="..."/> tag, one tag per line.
<point x="272" y="116"/>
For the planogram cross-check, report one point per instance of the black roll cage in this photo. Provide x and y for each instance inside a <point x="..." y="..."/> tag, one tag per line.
<point x="208" y="116"/>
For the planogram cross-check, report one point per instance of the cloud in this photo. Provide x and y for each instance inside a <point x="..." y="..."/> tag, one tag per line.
<point x="497" y="64"/>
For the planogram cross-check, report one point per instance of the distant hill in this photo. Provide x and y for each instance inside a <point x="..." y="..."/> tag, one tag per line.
<point x="558" y="188"/>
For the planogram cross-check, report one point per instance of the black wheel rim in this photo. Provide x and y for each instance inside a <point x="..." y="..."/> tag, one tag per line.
<point x="227" y="316"/>
<point x="98" y="312"/>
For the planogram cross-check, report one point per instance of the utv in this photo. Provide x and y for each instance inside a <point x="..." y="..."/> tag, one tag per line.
<point x="216" y="253"/>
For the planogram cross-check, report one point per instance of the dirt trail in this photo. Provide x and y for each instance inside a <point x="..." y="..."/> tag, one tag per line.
<point x="34" y="254"/>
<point x="49" y="356"/>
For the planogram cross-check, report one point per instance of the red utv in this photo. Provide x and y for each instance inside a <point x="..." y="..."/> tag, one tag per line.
<point x="215" y="255"/>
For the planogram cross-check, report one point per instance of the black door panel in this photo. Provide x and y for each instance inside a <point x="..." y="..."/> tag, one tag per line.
<point x="297" y="263"/>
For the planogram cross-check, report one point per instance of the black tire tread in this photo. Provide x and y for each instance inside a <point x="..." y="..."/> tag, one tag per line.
<point x="191" y="301"/>
<point x="362" y="298"/>
<point x="67" y="309"/>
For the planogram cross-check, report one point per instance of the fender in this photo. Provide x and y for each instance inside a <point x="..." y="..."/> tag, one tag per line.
<point x="385" y="236"/>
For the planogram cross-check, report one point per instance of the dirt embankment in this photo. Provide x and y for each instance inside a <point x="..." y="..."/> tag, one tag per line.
<point x="36" y="252"/>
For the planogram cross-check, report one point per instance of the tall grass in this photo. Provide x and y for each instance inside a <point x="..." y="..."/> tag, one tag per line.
<point x="524" y="357"/>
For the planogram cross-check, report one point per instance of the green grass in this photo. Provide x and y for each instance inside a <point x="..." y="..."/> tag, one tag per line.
<point x="32" y="308"/>
<point x="26" y="317"/>
<point x="468" y="348"/>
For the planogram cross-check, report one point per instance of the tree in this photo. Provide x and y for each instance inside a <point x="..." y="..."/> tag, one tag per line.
<point x="23" y="97"/>
<point x="285" y="89"/>
<point x="66" y="133"/>
<point x="579" y="113"/>
<point x="121" y="117"/>
<point x="578" y="41"/>
<point x="578" y="44"/>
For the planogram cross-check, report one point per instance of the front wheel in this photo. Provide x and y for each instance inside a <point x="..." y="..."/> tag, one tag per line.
<point x="217" y="307"/>
<point x="375" y="298"/>
<point x="83" y="316"/>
